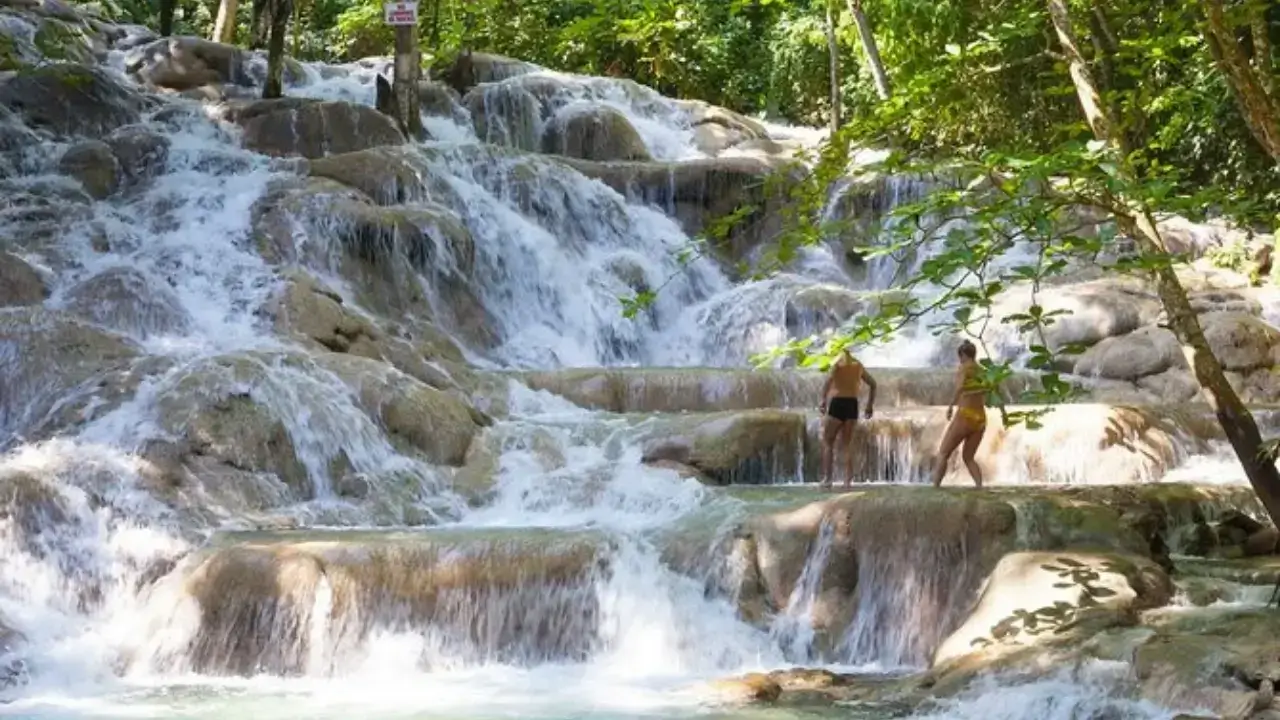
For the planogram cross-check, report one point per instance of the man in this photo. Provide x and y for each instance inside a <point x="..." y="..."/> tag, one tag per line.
<point x="966" y="427"/>
<point x="840" y="411"/>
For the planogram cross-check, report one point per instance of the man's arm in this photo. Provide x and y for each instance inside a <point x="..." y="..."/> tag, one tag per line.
<point x="826" y="390"/>
<point x="871" y="392"/>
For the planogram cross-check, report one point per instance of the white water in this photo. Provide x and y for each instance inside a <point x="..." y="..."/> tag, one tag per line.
<point x="553" y="254"/>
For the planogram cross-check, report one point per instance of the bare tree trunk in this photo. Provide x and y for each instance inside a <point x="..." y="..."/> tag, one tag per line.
<point x="1236" y="420"/>
<point x="167" y="8"/>
<point x="833" y="56"/>
<point x="224" y="27"/>
<point x="1263" y="62"/>
<point x="1261" y="111"/>
<point x="280" y="11"/>
<point x="405" y="81"/>
<point x="870" y="49"/>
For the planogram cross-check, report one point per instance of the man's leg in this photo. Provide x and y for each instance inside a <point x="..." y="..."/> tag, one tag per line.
<point x="950" y="441"/>
<point x="846" y="442"/>
<point x="830" y="426"/>
<point x="971" y="442"/>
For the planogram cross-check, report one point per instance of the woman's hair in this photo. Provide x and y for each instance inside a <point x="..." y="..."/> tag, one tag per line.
<point x="968" y="350"/>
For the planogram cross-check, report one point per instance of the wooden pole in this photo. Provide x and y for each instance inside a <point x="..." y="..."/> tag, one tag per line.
<point x="404" y="88"/>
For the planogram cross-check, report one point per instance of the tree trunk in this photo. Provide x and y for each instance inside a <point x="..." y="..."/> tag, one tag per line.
<point x="1261" y="112"/>
<point x="224" y="27"/>
<point x="405" y="81"/>
<point x="1263" y="62"/>
<point x="833" y="55"/>
<point x="1236" y="420"/>
<point x="167" y="8"/>
<point x="870" y="49"/>
<point x="274" y="87"/>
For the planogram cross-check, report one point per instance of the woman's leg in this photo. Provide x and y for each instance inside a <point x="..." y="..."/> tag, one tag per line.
<point x="954" y="435"/>
<point x="971" y="442"/>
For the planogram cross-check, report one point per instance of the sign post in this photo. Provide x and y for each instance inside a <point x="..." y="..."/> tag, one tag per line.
<point x="403" y="16"/>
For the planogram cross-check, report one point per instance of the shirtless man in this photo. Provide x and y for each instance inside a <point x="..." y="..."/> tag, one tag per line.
<point x="840" y="411"/>
<point x="970" y="423"/>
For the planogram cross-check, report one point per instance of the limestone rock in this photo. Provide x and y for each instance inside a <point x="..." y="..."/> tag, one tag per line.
<point x="438" y="99"/>
<point x="140" y="152"/>
<point x="1097" y="310"/>
<point x="1172" y="385"/>
<point x="123" y="300"/>
<point x="1055" y="587"/>
<point x="732" y="448"/>
<point x="20" y="284"/>
<point x="596" y="132"/>
<point x="387" y="175"/>
<point x="94" y="164"/>
<point x="433" y="422"/>
<point x="72" y="100"/>
<point x="1241" y="342"/>
<point x="753" y="687"/>
<point x="473" y="68"/>
<point x="184" y="63"/>
<point x="1146" y="351"/>
<point x="312" y="129"/>
<point x="505" y="114"/>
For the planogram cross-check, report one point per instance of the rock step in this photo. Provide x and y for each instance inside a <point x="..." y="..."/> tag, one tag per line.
<point x="642" y="390"/>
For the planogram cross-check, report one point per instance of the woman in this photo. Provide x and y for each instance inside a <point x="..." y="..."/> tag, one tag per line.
<point x="967" y="426"/>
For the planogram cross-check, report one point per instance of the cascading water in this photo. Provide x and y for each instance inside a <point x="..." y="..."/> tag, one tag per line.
<point x="221" y="499"/>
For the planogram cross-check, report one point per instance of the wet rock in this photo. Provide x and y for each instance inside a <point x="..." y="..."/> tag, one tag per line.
<point x="698" y="192"/>
<point x="53" y="360"/>
<point x="140" y="152"/>
<point x="311" y="128"/>
<point x="20" y="284"/>
<point x="420" y="417"/>
<point x="1262" y="542"/>
<point x="1172" y="385"/>
<point x="505" y="114"/>
<point x="473" y="68"/>
<point x="214" y="413"/>
<point x="438" y="99"/>
<point x="756" y="446"/>
<point x="93" y="164"/>
<point x="387" y="175"/>
<point x="1240" y="341"/>
<point x="1097" y="310"/>
<point x="1146" y="351"/>
<point x="598" y="132"/>
<point x="753" y="687"/>
<point x="317" y="313"/>
<point x="72" y="100"/>
<point x="716" y="129"/>
<point x="124" y="300"/>
<point x="185" y="63"/>
<point x="1029" y="594"/>
<point x="1211" y="301"/>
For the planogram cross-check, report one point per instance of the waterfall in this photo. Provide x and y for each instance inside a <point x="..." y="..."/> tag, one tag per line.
<point x="793" y="627"/>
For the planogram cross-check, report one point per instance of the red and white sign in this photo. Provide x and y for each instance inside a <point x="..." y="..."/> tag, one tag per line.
<point x="400" y="13"/>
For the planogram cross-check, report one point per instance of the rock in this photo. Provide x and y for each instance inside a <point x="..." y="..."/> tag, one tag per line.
<point x="819" y="308"/>
<point x="313" y="311"/>
<point x="1056" y="588"/>
<point x="1146" y="351"/>
<point x="95" y="165"/>
<point x="752" y="687"/>
<point x="472" y="68"/>
<point x="594" y="132"/>
<point x="387" y="175"/>
<point x="757" y="446"/>
<point x="122" y="299"/>
<point x="313" y="129"/>
<point x="20" y="284"/>
<point x="140" y="152"/>
<point x="55" y="361"/>
<point x="1172" y="385"/>
<point x="1262" y="542"/>
<point x="1210" y="301"/>
<point x="1097" y="310"/>
<point x="417" y="416"/>
<point x="71" y="100"/>
<point x="438" y="99"/>
<point x="1240" y="341"/>
<point x="185" y="63"/>
<point x="505" y="114"/>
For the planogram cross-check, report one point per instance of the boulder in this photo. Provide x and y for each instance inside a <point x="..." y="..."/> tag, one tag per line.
<point x="72" y="100"/>
<point x="1241" y="342"/>
<point x="505" y="114"/>
<point x="1174" y="385"/>
<point x="312" y="129"/>
<point x="752" y="687"/>
<point x="416" y="416"/>
<point x="93" y="163"/>
<point x="1096" y="309"/>
<point x="20" y="284"/>
<point x="141" y="153"/>
<point x="594" y="132"/>
<point x="185" y="63"/>
<point x="1146" y="351"/>
<point x="124" y="300"/>
<point x="1029" y="595"/>
<point x="473" y="68"/>
<point x="438" y="99"/>
<point x="755" y="446"/>
<point x="387" y="175"/>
